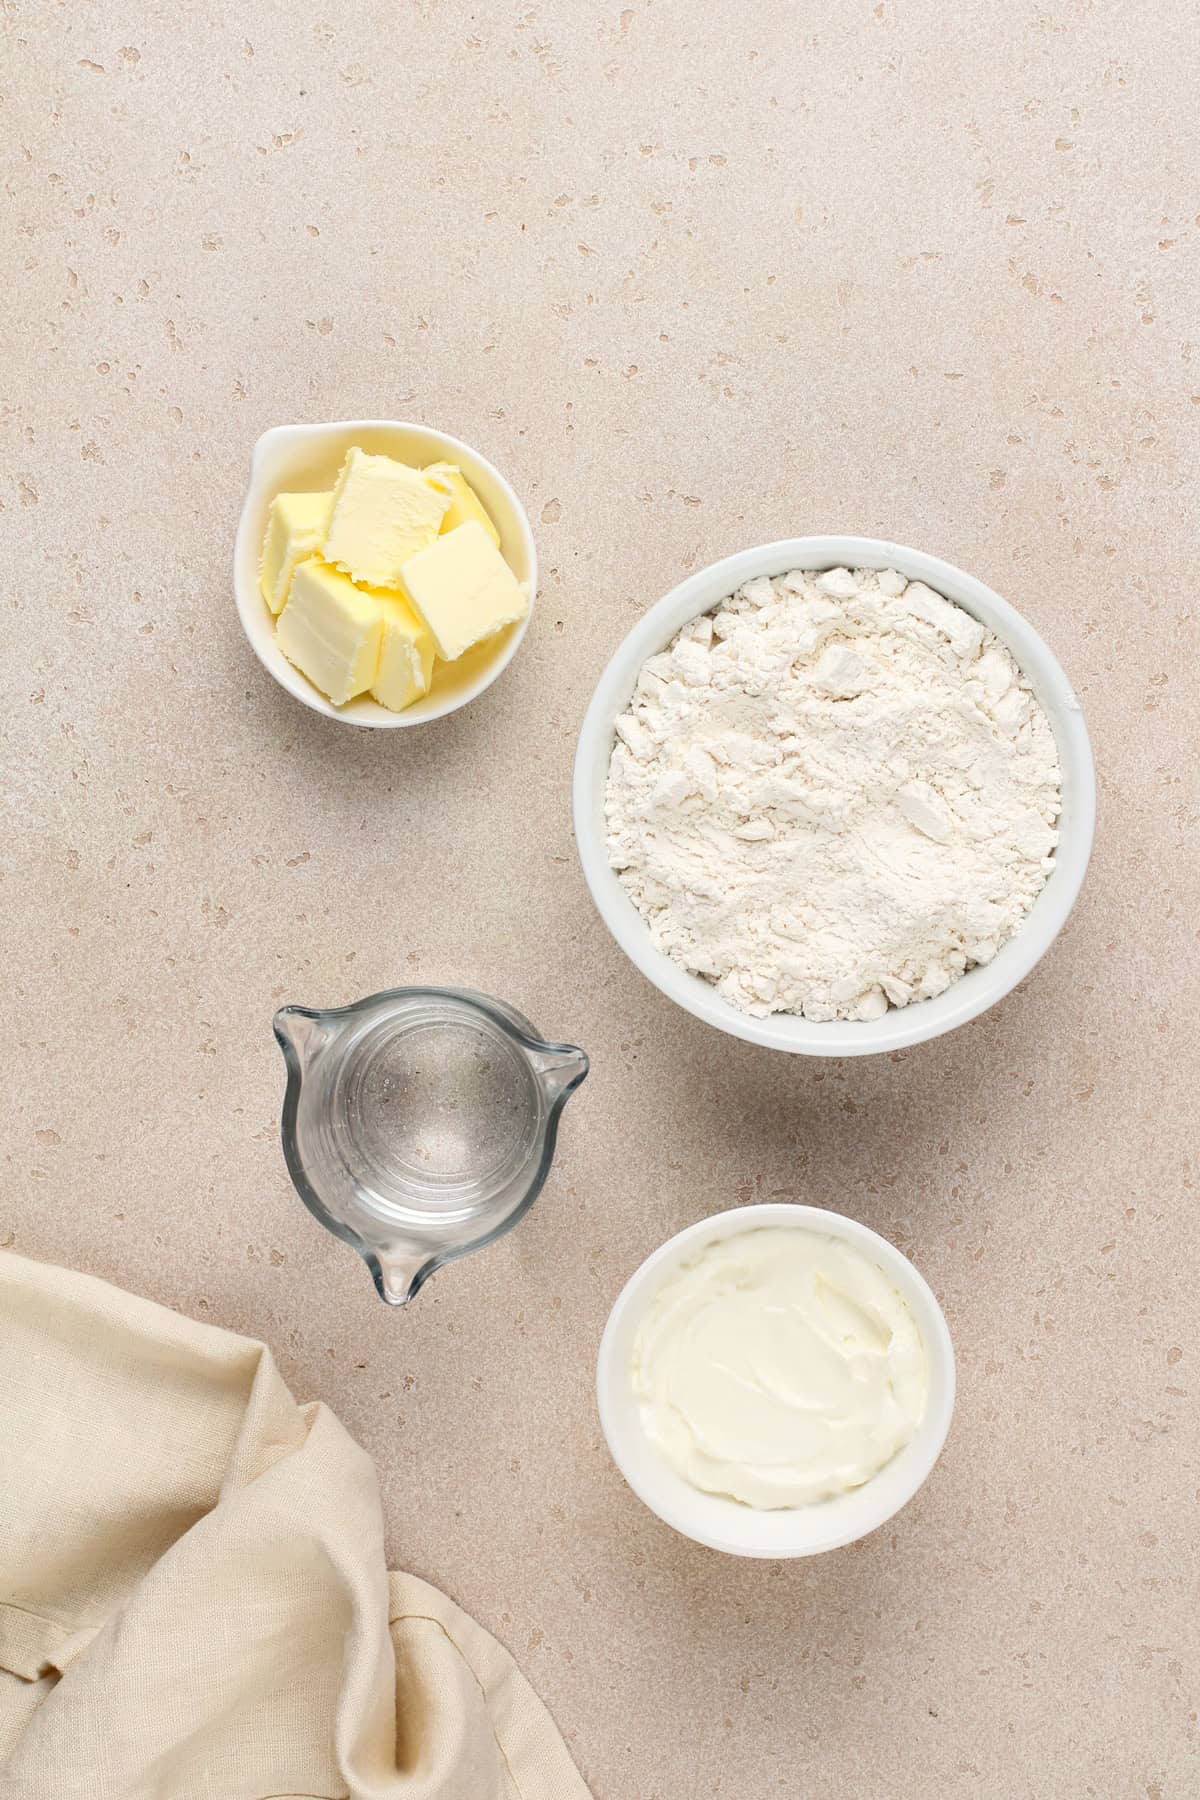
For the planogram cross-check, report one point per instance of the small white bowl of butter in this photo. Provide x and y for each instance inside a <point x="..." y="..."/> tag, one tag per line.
<point x="776" y="1381"/>
<point x="306" y="460"/>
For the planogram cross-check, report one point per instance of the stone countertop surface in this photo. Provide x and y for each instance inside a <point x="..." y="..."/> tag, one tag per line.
<point x="694" y="277"/>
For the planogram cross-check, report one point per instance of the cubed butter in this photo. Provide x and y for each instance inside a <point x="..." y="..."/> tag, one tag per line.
<point x="295" y="529"/>
<point x="465" y="502"/>
<point x="405" y="656"/>
<point x="463" y="589"/>
<point x="382" y="513"/>
<point x="332" y="631"/>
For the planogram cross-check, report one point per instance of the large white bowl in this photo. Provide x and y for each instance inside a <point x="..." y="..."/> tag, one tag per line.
<point x="980" y="987"/>
<point x="306" y="459"/>
<point x="725" y="1524"/>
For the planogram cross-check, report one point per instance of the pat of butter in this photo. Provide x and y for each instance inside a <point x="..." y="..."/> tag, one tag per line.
<point x="405" y="656"/>
<point x="382" y="513"/>
<point x="465" y="502"/>
<point x="463" y="589"/>
<point x="295" y="529"/>
<point x="331" y="630"/>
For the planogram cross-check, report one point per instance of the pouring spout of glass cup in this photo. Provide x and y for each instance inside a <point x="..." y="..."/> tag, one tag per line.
<point x="560" y="1068"/>
<point x="302" y="1032"/>
<point x="399" y="1272"/>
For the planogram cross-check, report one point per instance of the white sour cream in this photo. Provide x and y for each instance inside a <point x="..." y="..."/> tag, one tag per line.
<point x="779" y="1367"/>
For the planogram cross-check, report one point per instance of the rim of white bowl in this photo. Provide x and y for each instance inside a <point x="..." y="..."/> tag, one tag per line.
<point x="258" y="624"/>
<point x="981" y="987"/>
<point x="724" y="1524"/>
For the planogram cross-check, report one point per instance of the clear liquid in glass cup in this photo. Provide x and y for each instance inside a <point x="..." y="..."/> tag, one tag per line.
<point x="419" y="1124"/>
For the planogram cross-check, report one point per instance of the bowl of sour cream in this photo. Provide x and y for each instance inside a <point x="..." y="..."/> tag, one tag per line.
<point x="776" y="1381"/>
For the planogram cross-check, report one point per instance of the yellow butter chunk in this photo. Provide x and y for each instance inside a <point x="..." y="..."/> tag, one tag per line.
<point x="382" y="513"/>
<point x="295" y="528"/>
<point x="463" y="589"/>
<point x="405" y="656"/>
<point x="331" y="630"/>
<point x="465" y="502"/>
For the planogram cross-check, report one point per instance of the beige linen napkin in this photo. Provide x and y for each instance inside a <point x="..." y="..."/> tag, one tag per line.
<point x="194" y="1603"/>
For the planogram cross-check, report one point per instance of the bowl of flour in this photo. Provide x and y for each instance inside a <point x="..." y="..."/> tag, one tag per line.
<point x="834" y="796"/>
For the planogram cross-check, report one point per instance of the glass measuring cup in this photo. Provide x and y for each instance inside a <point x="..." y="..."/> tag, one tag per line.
<point x="419" y="1124"/>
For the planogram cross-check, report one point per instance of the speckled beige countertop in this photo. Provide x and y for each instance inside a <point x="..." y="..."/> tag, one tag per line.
<point x="694" y="276"/>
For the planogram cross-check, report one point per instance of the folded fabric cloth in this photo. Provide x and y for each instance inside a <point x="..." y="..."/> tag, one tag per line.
<point x="194" y="1603"/>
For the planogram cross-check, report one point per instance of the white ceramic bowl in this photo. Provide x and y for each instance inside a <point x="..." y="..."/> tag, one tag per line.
<point x="306" y="458"/>
<point x="725" y="1524"/>
<point x="980" y="987"/>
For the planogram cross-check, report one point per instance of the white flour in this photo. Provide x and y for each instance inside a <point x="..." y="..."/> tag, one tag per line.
<point x="835" y="792"/>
